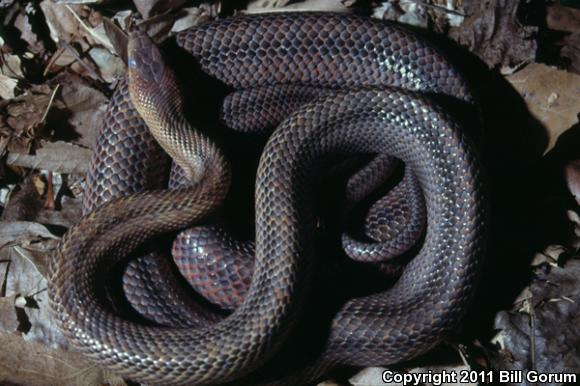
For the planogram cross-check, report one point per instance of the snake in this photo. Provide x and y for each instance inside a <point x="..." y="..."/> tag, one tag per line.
<point x="386" y="91"/>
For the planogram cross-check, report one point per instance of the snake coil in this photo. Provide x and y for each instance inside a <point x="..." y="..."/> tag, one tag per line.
<point x="380" y="76"/>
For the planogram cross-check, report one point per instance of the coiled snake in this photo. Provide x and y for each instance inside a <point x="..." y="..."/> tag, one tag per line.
<point x="382" y="75"/>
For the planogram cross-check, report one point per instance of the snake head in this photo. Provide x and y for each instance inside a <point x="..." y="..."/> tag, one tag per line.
<point x="151" y="82"/>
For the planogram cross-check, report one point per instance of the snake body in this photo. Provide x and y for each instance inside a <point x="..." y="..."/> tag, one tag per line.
<point x="381" y="74"/>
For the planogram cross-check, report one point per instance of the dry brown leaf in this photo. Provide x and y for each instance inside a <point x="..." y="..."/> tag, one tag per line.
<point x="308" y="5"/>
<point x="149" y="8"/>
<point x="7" y="87"/>
<point x="552" y="95"/>
<point x="25" y="201"/>
<point x="26" y="250"/>
<point x="571" y="51"/>
<point x="23" y="233"/>
<point x="492" y="32"/>
<point x="33" y="364"/>
<point x="75" y="113"/>
<point x="110" y="66"/>
<point x="61" y="22"/>
<point x="543" y="333"/>
<point x="24" y="23"/>
<point x="189" y="17"/>
<point x="11" y="65"/>
<point x="22" y="118"/>
<point x="8" y="318"/>
<point x="80" y="110"/>
<point x="406" y="12"/>
<point x="60" y="157"/>
<point x="266" y="4"/>
<point x="75" y="23"/>
<point x="116" y="35"/>
<point x="561" y="18"/>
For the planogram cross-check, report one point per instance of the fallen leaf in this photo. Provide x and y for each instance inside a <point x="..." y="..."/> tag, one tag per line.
<point x="552" y="95"/>
<point x="80" y="111"/>
<point x="24" y="23"/>
<point x="148" y="8"/>
<point x="22" y="118"/>
<point x="492" y="32"/>
<point x="60" y="157"/>
<point x="76" y="23"/>
<point x="545" y="337"/>
<point x="68" y="215"/>
<point x="116" y="35"/>
<point x="405" y="12"/>
<point x="8" y="318"/>
<point x="308" y="5"/>
<point x="571" y="51"/>
<point x="33" y="364"/>
<point x="561" y="18"/>
<point x="23" y="233"/>
<point x="7" y="87"/>
<point x="266" y="4"/>
<point x="11" y="66"/>
<point x="190" y="17"/>
<point x="111" y="67"/>
<point x="27" y="257"/>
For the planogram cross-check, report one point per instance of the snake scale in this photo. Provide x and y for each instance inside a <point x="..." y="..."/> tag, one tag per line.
<point x="383" y="78"/>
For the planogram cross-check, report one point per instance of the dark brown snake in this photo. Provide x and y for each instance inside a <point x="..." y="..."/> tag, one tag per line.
<point x="386" y="73"/>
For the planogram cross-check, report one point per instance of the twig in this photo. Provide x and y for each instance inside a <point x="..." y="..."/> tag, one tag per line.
<point x="49" y="105"/>
<point x="52" y="60"/>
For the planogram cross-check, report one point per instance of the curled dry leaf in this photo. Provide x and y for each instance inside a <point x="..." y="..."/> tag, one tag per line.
<point x="492" y="32"/>
<point x="544" y="337"/>
<point x="190" y="17"/>
<point x="25" y="248"/>
<point x="78" y="111"/>
<point x="75" y="113"/>
<point x="22" y="118"/>
<point x="75" y="23"/>
<point x="110" y="66"/>
<point x="552" y="96"/>
<point x="7" y="87"/>
<point x="23" y="233"/>
<point x="117" y="36"/>
<point x="11" y="66"/>
<point x="24" y="24"/>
